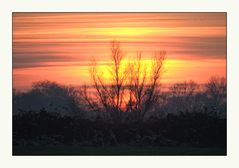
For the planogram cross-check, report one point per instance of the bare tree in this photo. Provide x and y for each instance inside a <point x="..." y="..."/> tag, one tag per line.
<point x="152" y="95"/>
<point x="143" y="86"/>
<point x="110" y="95"/>
<point x="137" y="85"/>
<point x="119" y="76"/>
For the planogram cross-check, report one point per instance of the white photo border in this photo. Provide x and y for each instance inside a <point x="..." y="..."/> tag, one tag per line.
<point x="9" y="6"/>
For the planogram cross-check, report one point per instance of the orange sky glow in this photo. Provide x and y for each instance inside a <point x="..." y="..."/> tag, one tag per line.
<point x="60" y="46"/>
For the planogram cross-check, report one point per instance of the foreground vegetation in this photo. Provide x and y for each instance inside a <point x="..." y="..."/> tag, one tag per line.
<point x="50" y="133"/>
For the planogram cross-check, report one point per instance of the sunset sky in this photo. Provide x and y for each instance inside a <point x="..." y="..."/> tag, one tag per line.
<point x="60" y="46"/>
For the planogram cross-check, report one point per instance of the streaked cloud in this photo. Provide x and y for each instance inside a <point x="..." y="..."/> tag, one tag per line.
<point x="48" y="40"/>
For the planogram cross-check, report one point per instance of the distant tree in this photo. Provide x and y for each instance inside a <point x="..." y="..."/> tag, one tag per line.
<point x="183" y="97"/>
<point x="216" y="89"/>
<point x="48" y="88"/>
<point x="184" y="88"/>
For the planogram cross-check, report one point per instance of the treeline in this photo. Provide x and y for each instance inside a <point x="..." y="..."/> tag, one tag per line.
<point x="70" y="101"/>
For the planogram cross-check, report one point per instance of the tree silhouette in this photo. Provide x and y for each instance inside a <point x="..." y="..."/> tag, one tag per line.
<point x="130" y="88"/>
<point x="144" y="87"/>
<point x="216" y="88"/>
<point x="184" y="88"/>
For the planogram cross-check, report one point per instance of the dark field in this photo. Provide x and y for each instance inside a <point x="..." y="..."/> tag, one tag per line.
<point x="119" y="150"/>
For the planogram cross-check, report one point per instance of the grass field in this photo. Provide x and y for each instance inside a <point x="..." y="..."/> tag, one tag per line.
<point x="119" y="150"/>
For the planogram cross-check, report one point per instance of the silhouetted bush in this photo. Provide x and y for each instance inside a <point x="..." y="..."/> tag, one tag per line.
<point x="50" y="96"/>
